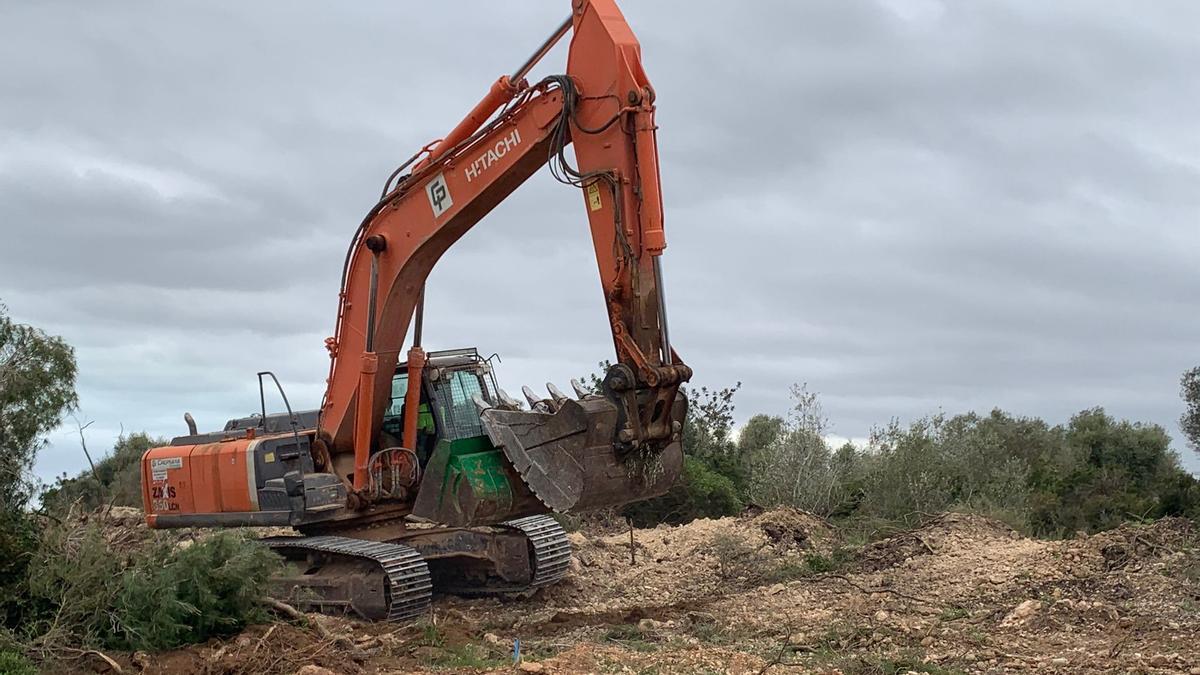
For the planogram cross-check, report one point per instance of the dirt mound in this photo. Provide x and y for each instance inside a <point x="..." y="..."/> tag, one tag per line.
<point x="673" y="564"/>
<point x="1133" y="543"/>
<point x="795" y="529"/>
<point x="945" y="533"/>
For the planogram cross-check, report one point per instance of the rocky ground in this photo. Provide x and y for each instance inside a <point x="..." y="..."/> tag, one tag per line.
<point x="778" y="592"/>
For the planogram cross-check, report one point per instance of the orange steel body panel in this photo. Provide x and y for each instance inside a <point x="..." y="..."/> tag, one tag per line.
<point x="416" y="239"/>
<point x="206" y="478"/>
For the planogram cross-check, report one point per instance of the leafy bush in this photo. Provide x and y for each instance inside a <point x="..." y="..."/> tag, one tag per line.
<point x="1120" y="471"/>
<point x="37" y="386"/>
<point x="1090" y="474"/>
<point x="789" y="463"/>
<point x="173" y="597"/>
<point x="158" y="597"/>
<point x="967" y="462"/>
<point x="18" y="541"/>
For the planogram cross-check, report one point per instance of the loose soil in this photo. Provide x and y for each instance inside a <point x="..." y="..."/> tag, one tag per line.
<point x="778" y="592"/>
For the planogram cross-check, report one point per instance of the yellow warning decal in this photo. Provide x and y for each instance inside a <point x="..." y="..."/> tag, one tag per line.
<point x="593" y="196"/>
<point x="269" y="457"/>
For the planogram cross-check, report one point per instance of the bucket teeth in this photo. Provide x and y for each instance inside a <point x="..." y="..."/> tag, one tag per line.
<point x="580" y="391"/>
<point x="508" y="401"/>
<point x="537" y="404"/>
<point x="555" y="394"/>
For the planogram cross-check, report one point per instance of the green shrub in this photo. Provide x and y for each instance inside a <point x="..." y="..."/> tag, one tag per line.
<point x="174" y="597"/>
<point x="13" y="663"/>
<point x="158" y="597"/>
<point x="1117" y="471"/>
<point x="18" y="543"/>
<point x="74" y="577"/>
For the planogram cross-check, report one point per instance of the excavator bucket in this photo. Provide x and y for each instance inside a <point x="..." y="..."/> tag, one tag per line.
<point x="563" y="450"/>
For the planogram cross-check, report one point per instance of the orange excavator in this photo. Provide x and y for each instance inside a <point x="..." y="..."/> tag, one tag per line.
<point x="422" y="474"/>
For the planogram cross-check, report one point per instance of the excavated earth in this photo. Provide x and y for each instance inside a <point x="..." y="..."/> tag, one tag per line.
<point x="778" y="592"/>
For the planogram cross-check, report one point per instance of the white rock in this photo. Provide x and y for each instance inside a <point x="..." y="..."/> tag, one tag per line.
<point x="311" y="669"/>
<point x="493" y="639"/>
<point x="1022" y="613"/>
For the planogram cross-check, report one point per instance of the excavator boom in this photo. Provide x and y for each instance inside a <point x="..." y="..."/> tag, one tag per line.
<point x="604" y="105"/>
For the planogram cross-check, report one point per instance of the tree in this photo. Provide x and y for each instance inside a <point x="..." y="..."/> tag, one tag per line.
<point x="789" y="462"/>
<point x="37" y="386"/>
<point x="1121" y="470"/>
<point x="1189" y="389"/>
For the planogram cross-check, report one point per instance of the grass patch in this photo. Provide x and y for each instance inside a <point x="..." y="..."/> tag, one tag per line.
<point x="842" y="636"/>
<point x="467" y="656"/>
<point x="876" y="664"/>
<point x="712" y="633"/>
<point x="897" y="665"/>
<point x="630" y="636"/>
<point x="953" y="614"/>
<point x="838" y="559"/>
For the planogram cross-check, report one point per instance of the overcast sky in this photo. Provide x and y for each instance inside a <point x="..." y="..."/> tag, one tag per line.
<point x="910" y="205"/>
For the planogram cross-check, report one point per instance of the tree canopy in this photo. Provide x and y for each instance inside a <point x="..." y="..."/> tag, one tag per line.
<point x="1190" y="422"/>
<point x="37" y="386"/>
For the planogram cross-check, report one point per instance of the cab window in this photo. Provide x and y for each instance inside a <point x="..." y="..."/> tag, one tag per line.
<point x="399" y="390"/>
<point x="456" y="408"/>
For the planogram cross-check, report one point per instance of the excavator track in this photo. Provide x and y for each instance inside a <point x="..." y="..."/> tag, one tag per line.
<point x="550" y="559"/>
<point x="551" y="548"/>
<point x="408" y="590"/>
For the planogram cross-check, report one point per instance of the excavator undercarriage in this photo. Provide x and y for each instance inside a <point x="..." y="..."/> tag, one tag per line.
<point x="394" y="580"/>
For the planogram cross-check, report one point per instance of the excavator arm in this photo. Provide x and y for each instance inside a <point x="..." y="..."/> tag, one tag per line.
<point x="604" y="106"/>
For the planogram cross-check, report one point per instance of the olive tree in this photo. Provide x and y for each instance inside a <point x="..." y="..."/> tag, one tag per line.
<point x="1189" y="389"/>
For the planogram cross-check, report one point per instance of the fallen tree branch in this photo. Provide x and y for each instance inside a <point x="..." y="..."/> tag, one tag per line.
<point x="294" y="614"/>
<point x="864" y="589"/>
<point x="116" y="667"/>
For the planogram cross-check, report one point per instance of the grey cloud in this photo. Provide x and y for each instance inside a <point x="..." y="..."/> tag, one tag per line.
<point x="909" y="204"/>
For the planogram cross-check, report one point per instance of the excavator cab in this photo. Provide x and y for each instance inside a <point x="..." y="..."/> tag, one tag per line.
<point x="470" y="482"/>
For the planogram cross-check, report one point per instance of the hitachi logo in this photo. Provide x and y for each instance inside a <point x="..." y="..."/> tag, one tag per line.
<point x="493" y="154"/>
